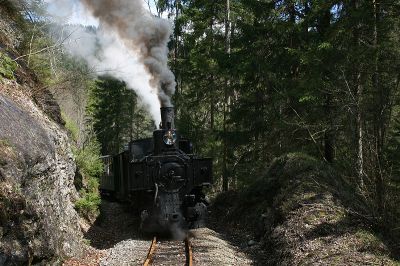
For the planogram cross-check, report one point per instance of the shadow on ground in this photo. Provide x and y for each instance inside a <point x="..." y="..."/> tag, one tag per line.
<point x="114" y="224"/>
<point x="117" y="223"/>
<point x="239" y="239"/>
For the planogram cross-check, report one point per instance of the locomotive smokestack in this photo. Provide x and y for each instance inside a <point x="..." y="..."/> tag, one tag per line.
<point x="167" y="118"/>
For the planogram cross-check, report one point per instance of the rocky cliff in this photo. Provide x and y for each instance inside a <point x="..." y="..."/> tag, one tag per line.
<point x="38" y="222"/>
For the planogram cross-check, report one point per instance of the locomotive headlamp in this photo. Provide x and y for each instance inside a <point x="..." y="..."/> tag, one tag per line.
<point x="169" y="137"/>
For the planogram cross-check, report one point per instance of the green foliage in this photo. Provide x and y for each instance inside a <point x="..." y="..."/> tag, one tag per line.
<point x="88" y="159"/>
<point x="43" y="62"/>
<point x="14" y="11"/>
<point x="115" y="115"/>
<point x="87" y="241"/>
<point x="90" y="167"/>
<point x="71" y="126"/>
<point x="88" y="204"/>
<point x="294" y="79"/>
<point x="7" y="66"/>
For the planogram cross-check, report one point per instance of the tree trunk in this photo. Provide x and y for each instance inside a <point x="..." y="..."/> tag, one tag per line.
<point x="359" y="91"/>
<point x="329" y="148"/>
<point x="380" y="117"/>
<point x="176" y="55"/>
<point x="212" y="107"/>
<point x="225" y="181"/>
<point x="360" y="131"/>
<point x="211" y="84"/>
<point x="323" y="25"/>
<point x="131" y="117"/>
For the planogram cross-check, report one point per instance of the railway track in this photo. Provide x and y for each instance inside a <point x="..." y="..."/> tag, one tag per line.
<point x="169" y="250"/>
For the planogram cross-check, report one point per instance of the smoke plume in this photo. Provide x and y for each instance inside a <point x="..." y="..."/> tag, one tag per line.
<point x="129" y="44"/>
<point x="143" y="33"/>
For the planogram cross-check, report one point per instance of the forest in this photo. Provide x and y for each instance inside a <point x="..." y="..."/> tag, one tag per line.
<point x="255" y="81"/>
<point x="259" y="79"/>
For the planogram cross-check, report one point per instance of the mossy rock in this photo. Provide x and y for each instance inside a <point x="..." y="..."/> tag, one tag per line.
<point x="370" y="242"/>
<point x="7" y="152"/>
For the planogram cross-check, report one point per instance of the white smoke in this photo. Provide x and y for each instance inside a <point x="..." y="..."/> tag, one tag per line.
<point x="143" y="33"/>
<point x="70" y="12"/>
<point x="113" y="59"/>
<point x="129" y="44"/>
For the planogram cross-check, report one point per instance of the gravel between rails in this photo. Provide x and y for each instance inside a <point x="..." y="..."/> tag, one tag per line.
<point x="169" y="253"/>
<point x="116" y="242"/>
<point x="128" y="252"/>
<point x="209" y="248"/>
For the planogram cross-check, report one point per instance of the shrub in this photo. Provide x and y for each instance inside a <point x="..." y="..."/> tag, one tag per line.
<point x="88" y="204"/>
<point x="71" y="126"/>
<point x="90" y="168"/>
<point x="7" y="66"/>
<point x="88" y="159"/>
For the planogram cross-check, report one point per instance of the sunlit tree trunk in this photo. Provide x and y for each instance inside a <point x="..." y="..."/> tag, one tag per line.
<point x="329" y="148"/>
<point x="381" y="111"/>
<point x="212" y="99"/>
<point x="358" y="94"/>
<point x="225" y="177"/>
<point x="176" y="56"/>
<point x="360" y="132"/>
<point x="212" y="106"/>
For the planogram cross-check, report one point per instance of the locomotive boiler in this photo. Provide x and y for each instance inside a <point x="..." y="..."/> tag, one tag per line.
<point x="161" y="178"/>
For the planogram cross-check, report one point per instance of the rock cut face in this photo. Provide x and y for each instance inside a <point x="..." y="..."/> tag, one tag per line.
<point x="38" y="222"/>
<point x="37" y="216"/>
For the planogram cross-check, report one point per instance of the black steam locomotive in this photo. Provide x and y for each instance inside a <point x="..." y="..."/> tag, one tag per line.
<point x="161" y="178"/>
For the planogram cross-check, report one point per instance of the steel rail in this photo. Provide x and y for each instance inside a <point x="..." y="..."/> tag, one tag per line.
<point x="189" y="252"/>
<point x="152" y="248"/>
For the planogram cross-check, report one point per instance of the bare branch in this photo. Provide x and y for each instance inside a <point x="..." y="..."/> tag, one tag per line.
<point x="45" y="48"/>
<point x="30" y="44"/>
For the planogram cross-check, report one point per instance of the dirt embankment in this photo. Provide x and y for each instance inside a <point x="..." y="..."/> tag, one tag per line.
<point x="38" y="222"/>
<point x="300" y="213"/>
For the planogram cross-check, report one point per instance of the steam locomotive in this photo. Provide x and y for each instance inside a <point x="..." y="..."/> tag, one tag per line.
<point x="161" y="178"/>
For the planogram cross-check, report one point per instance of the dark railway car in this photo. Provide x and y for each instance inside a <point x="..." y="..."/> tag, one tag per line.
<point x="161" y="178"/>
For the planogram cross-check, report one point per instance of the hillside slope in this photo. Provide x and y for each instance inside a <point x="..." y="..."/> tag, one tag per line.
<point x="302" y="214"/>
<point x="38" y="222"/>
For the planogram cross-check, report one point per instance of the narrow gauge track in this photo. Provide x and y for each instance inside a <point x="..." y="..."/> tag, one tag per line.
<point x="153" y="247"/>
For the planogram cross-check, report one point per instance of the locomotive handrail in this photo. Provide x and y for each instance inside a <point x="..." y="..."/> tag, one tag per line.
<point x="155" y="193"/>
